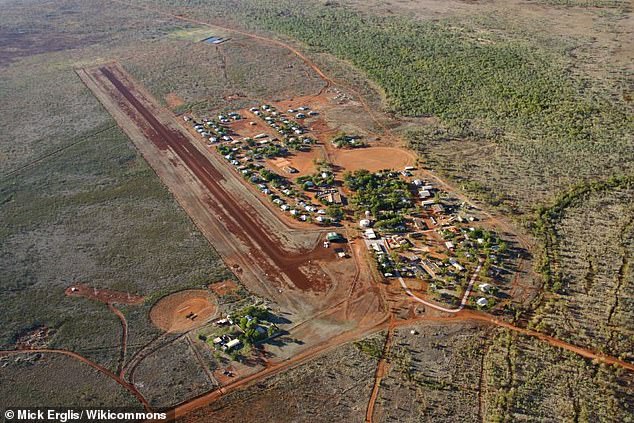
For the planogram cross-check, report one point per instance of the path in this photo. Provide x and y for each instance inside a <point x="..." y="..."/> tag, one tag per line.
<point x="458" y="314"/>
<point x="124" y="337"/>
<point x="130" y="387"/>
<point x="328" y="81"/>
<point x="380" y="372"/>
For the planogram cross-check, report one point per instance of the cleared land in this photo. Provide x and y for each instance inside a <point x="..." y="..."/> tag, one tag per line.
<point x="373" y="158"/>
<point x="107" y="296"/>
<point x="237" y="221"/>
<point x="331" y="388"/>
<point x="183" y="311"/>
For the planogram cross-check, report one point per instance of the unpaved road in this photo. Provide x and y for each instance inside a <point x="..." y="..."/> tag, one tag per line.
<point x="381" y="369"/>
<point x="463" y="302"/>
<point x="130" y="387"/>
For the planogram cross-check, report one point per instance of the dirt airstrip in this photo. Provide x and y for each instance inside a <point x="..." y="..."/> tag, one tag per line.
<point x="272" y="258"/>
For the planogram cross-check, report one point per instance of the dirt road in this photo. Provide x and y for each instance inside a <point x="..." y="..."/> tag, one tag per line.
<point x="124" y="337"/>
<point x="381" y="370"/>
<point x="130" y="387"/>
<point x="463" y="302"/>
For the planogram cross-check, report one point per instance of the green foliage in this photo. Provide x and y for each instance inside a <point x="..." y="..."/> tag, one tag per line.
<point x="547" y="218"/>
<point x="434" y="68"/>
<point x="385" y="194"/>
<point x="342" y="140"/>
<point x="335" y="211"/>
<point x="372" y="347"/>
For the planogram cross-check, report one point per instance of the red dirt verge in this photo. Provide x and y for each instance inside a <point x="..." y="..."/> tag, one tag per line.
<point x="107" y="296"/>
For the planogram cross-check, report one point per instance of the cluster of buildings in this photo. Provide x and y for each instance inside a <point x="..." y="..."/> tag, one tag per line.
<point x="237" y="331"/>
<point x="247" y="155"/>
<point x="437" y="244"/>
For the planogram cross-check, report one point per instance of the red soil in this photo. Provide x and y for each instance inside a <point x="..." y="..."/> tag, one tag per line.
<point x="184" y="310"/>
<point x="373" y="158"/>
<point x="106" y="296"/>
<point x="238" y="219"/>
<point x="224" y="288"/>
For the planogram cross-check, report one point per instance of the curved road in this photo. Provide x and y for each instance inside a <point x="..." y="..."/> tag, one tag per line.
<point x="131" y="388"/>
<point x="465" y="298"/>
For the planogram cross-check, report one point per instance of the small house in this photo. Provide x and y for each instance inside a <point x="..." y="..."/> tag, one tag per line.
<point x="231" y="344"/>
<point x="485" y="287"/>
<point x="334" y="237"/>
<point x="370" y="234"/>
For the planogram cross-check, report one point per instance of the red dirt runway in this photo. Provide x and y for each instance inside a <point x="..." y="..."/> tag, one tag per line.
<point x="238" y="221"/>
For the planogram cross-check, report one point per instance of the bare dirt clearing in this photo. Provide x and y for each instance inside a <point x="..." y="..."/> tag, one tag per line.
<point x="374" y="158"/>
<point x="224" y="287"/>
<point x="184" y="310"/>
<point x="173" y="100"/>
<point x="107" y="296"/>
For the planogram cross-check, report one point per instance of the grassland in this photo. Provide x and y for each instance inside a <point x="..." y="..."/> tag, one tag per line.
<point x="546" y="124"/>
<point x="515" y="109"/>
<point x="96" y="214"/>
<point x="525" y="380"/>
<point x="589" y="238"/>
<point x="434" y="375"/>
<point x="77" y="203"/>
<point x="37" y="383"/>
<point x="470" y="373"/>
<point x="176" y="382"/>
<point x="334" y="387"/>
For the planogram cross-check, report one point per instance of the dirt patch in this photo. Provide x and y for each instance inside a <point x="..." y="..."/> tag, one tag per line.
<point x="224" y="287"/>
<point x="173" y="100"/>
<point x="374" y="158"/>
<point x="184" y="310"/>
<point x="107" y="296"/>
<point x="304" y="163"/>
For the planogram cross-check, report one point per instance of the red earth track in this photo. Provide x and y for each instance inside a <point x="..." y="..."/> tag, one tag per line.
<point x="237" y="218"/>
<point x="130" y="387"/>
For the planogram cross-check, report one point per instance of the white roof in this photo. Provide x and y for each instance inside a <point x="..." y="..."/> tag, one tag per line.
<point x="233" y="343"/>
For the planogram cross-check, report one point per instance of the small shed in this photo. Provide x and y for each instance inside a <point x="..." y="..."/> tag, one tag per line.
<point x="482" y="302"/>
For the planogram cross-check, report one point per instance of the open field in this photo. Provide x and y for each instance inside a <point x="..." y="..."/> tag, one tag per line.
<point x="591" y="276"/>
<point x="373" y="159"/>
<point x="26" y="381"/>
<point x="524" y="380"/>
<point x="437" y="365"/>
<point x="331" y="388"/>
<point x="447" y="371"/>
<point x="177" y="381"/>
<point x="290" y="271"/>
<point x="107" y="296"/>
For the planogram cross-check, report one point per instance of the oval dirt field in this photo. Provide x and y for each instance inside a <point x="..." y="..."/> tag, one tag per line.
<point x="374" y="158"/>
<point x="184" y="310"/>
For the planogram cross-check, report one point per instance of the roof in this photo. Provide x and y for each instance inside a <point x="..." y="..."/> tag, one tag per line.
<point x="233" y="343"/>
